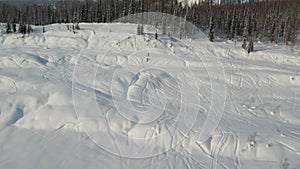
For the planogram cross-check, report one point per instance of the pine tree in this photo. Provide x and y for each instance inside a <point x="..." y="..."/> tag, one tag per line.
<point x="211" y="29"/>
<point x="142" y="5"/>
<point x="142" y="29"/>
<point x="286" y="32"/>
<point x="272" y="31"/>
<point x="232" y="26"/>
<point x="8" y="28"/>
<point x="125" y="7"/>
<point x="14" y="27"/>
<point x="139" y="29"/>
<point x="246" y="31"/>
<point x="164" y="27"/>
<point x="131" y="7"/>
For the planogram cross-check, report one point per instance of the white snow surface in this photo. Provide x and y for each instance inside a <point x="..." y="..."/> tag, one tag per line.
<point x="39" y="127"/>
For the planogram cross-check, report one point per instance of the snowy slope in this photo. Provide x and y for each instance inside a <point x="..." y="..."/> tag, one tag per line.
<point x="39" y="127"/>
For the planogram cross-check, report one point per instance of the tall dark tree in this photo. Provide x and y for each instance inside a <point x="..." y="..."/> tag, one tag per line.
<point x="125" y="8"/>
<point x="211" y="34"/>
<point x="232" y="26"/>
<point x="14" y="27"/>
<point x="8" y="28"/>
<point x="132" y="7"/>
<point x="246" y="31"/>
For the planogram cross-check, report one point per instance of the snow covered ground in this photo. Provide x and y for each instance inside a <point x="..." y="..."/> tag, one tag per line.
<point x="48" y="118"/>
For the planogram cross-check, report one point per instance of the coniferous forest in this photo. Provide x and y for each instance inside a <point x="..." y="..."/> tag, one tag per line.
<point x="276" y="21"/>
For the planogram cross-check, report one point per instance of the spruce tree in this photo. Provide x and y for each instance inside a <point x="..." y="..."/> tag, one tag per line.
<point x="164" y="27"/>
<point x="139" y="29"/>
<point x="232" y="26"/>
<point x="142" y="29"/>
<point x="8" y="28"/>
<point x="131" y="7"/>
<point x="246" y="30"/>
<point x="286" y="31"/>
<point x="125" y="7"/>
<point x="271" y="32"/>
<point x="211" y="29"/>
<point x="14" y="27"/>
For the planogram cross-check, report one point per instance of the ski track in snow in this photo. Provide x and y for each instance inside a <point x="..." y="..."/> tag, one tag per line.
<point x="36" y="100"/>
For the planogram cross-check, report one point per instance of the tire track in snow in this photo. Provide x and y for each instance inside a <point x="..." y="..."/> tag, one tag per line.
<point x="8" y="86"/>
<point x="217" y="149"/>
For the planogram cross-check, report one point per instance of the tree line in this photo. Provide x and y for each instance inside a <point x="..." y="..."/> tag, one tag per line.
<point x="277" y="21"/>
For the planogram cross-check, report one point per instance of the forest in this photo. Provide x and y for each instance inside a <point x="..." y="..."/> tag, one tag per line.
<point x="276" y="21"/>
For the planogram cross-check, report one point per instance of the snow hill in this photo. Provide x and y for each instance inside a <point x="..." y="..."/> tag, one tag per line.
<point x="39" y="127"/>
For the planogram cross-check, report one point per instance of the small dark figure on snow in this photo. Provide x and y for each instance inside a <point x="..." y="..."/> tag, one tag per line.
<point x="140" y="29"/>
<point x="14" y="27"/>
<point x="73" y="28"/>
<point x="8" y="28"/>
<point x="29" y="28"/>
<point x="77" y="27"/>
<point x="244" y="45"/>
<point x="250" y="47"/>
